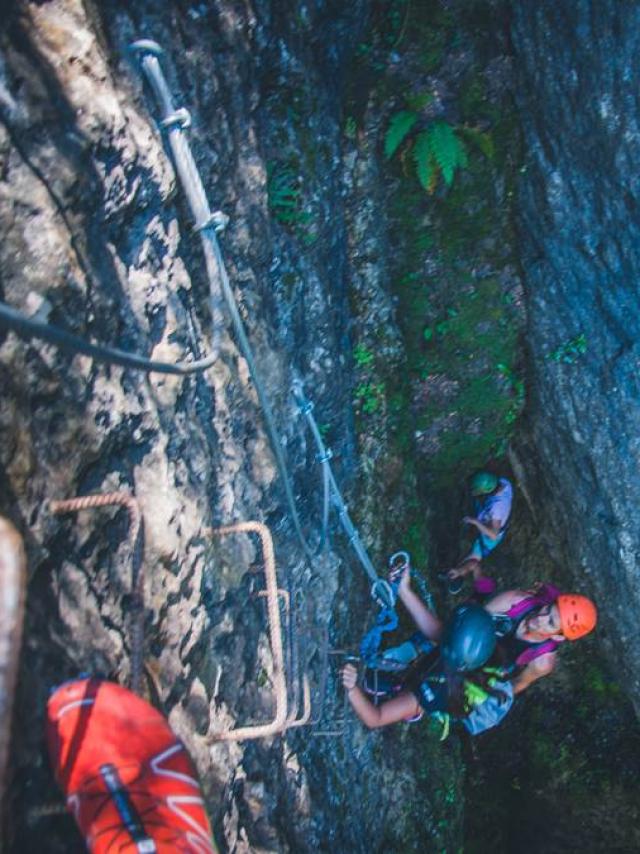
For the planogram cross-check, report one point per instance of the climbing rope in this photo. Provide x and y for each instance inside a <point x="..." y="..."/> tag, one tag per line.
<point x="381" y="590"/>
<point x="136" y="544"/>
<point x="175" y="122"/>
<point x="13" y="573"/>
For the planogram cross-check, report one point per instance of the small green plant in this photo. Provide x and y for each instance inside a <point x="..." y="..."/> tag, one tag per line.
<point x="286" y="203"/>
<point x="482" y="139"/>
<point x="284" y="194"/>
<point x="350" y="128"/>
<point x="363" y="357"/>
<point x="569" y="351"/>
<point x="518" y="389"/>
<point x="419" y="101"/>
<point x="399" y="126"/>
<point x="437" y="151"/>
<point x="369" y="396"/>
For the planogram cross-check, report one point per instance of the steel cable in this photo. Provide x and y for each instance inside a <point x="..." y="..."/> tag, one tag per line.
<point x="175" y="122"/>
<point x="29" y="327"/>
<point x="381" y="589"/>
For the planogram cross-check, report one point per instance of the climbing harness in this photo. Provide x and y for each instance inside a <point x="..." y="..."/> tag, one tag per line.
<point x="136" y="545"/>
<point x="127" y="779"/>
<point x="13" y="573"/>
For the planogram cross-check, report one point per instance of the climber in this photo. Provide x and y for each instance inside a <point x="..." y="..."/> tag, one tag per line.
<point x="493" y="497"/>
<point x="532" y="624"/>
<point x="449" y="676"/>
<point x="127" y="779"/>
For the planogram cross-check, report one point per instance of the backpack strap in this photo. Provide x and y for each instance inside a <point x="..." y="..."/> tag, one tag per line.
<point x="535" y="651"/>
<point x="545" y="595"/>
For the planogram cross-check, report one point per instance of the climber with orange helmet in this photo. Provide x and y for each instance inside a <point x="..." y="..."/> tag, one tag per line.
<point x="530" y="627"/>
<point x="532" y="624"/>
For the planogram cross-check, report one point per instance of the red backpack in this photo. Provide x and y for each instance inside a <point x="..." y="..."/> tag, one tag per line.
<point x="128" y="780"/>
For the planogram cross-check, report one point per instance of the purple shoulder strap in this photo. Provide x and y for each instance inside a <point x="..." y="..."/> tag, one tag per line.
<point x="535" y="651"/>
<point x="545" y="596"/>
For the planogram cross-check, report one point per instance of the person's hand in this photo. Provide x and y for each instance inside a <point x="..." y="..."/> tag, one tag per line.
<point x="403" y="573"/>
<point x="349" y="677"/>
<point x="470" y="520"/>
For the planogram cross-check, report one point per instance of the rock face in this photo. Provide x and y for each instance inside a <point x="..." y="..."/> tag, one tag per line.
<point x="96" y="238"/>
<point x="579" y="232"/>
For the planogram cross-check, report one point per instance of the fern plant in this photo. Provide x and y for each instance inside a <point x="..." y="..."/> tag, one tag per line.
<point x="285" y="199"/>
<point x="284" y="194"/>
<point x="437" y="152"/>
<point x="438" y="149"/>
<point x="399" y="126"/>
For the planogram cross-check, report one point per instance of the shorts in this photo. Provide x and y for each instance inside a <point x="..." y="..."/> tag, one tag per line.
<point x="483" y="546"/>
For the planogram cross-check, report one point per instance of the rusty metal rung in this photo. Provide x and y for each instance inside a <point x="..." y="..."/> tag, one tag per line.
<point x="279" y="722"/>
<point x="136" y="544"/>
<point x="292" y="721"/>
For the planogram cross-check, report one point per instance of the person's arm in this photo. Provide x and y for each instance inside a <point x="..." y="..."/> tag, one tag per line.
<point x="538" y="668"/>
<point x="401" y="708"/>
<point x="492" y="530"/>
<point x="425" y="620"/>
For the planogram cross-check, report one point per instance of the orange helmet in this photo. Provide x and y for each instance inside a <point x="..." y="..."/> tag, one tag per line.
<point x="578" y="615"/>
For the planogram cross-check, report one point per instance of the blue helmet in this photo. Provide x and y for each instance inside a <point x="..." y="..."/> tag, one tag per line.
<point x="468" y="639"/>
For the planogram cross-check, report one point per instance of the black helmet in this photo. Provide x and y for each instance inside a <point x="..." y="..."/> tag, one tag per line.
<point x="468" y="639"/>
